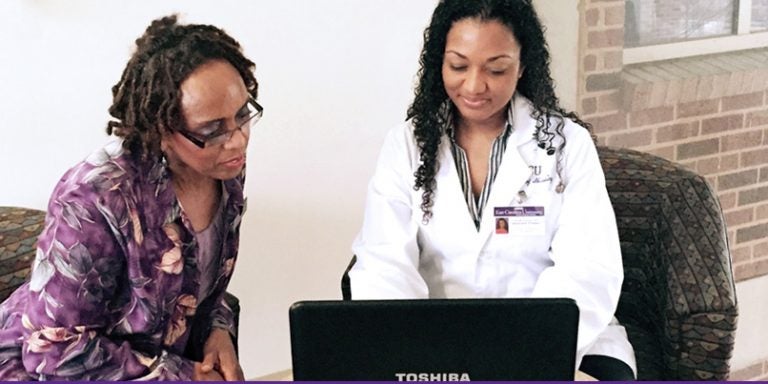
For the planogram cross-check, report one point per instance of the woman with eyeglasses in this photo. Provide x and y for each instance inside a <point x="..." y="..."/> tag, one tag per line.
<point x="491" y="189"/>
<point x="141" y="238"/>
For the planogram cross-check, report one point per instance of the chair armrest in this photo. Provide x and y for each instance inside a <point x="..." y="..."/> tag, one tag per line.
<point x="704" y="346"/>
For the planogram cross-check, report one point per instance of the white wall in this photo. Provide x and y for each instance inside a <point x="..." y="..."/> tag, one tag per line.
<point x="751" y="344"/>
<point x="334" y="76"/>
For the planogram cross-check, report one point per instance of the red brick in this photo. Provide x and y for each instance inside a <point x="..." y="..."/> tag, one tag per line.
<point x="606" y="38"/>
<point x="755" y="232"/>
<point x="706" y="87"/>
<point x="613" y="60"/>
<point x="759" y="118"/>
<point x="611" y="123"/>
<point x="756" y="157"/>
<point x="729" y="162"/>
<point x="750" y="270"/>
<point x="688" y="90"/>
<point x="760" y="250"/>
<point x="698" y="148"/>
<point x="609" y="102"/>
<point x="601" y="140"/>
<point x="651" y="116"/>
<point x="727" y="200"/>
<point x="636" y="96"/>
<point x="740" y="141"/>
<point x="749" y="100"/>
<point x="614" y="15"/>
<point x="741" y="254"/>
<point x="708" y="166"/>
<point x="761" y="212"/>
<point x="697" y="108"/>
<point x="665" y="152"/>
<point x="589" y="106"/>
<point x="711" y="180"/>
<point x="690" y="165"/>
<point x="736" y="179"/>
<point x="677" y="132"/>
<point x="590" y="63"/>
<point x="739" y="217"/>
<point x="603" y="81"/>
<point x="722" y="124"/>
<point x="592" y="16"/>
<point x="752" y="196"/>
<point x="631" y="139"/>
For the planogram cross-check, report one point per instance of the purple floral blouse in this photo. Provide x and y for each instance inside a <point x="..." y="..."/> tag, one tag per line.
<point x="113" y="289"/>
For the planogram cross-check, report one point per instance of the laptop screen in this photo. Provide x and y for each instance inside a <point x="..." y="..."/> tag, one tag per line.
<point x="434" y="340"/>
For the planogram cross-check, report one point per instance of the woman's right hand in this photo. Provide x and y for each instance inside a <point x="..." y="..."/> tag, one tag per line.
<point x="206" y="375"/>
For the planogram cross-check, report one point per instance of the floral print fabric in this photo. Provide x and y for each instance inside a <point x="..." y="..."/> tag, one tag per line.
<point x="112" y="294"/>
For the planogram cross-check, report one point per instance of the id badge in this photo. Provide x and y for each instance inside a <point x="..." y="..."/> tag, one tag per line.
<point x="522" y="221"/>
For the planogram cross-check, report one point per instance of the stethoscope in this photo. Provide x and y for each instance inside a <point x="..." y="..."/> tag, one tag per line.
<point x="522" y="196"/>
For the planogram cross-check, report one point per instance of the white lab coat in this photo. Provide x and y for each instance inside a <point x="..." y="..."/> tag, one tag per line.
<point x="577" y="255"/>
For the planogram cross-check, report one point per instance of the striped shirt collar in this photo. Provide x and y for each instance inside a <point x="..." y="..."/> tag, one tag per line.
<point x="475" y="205"/>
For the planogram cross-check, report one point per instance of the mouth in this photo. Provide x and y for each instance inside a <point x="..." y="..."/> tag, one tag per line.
<point x="234" y="162"/>
<point x="474" y="102"/>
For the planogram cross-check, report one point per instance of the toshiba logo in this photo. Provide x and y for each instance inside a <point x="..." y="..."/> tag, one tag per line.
<point x="432" y="376"/>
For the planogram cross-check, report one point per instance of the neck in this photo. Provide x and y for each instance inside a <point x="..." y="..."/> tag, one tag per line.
<point x="490" y="128"/>
<point x="187" y="181"/>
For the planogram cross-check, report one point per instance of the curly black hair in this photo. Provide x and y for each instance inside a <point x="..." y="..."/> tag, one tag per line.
<point x="146" y="100"/>
<point x="426" y="111"/>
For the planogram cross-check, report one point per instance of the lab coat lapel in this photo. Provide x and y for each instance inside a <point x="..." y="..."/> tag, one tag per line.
<point x="514" y="170"/>
<point x="450" y="194"/>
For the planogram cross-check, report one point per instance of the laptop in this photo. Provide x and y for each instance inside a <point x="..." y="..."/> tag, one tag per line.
<point x="434" y="340"/>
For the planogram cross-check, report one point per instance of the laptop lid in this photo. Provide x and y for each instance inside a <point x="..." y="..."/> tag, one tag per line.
<point x="434" y="340"/>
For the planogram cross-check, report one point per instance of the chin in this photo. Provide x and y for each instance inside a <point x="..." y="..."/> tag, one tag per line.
<point x="228" y="175"/>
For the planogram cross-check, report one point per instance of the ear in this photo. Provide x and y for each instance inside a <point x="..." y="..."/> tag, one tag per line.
<point x="165" y="142"/>
<point x="520" y="73"/>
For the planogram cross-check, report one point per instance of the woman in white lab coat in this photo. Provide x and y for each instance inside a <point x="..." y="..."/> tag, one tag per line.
<point x="486" y="139"/>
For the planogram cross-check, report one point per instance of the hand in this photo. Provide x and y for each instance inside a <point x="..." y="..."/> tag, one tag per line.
<point x="219" y="356"/>
<point x="202" y="375"/>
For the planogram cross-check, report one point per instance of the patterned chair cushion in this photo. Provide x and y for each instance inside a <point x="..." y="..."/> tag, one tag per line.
<point x="678" y="301"/>
<point x="19" y="228"/>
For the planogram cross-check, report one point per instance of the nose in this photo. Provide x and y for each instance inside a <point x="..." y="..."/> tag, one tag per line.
<point x="238" y="137"/>
<point x="475" y="82"/>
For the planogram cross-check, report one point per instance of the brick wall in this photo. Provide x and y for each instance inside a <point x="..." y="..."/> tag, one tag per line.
<point x="709" y="113"/>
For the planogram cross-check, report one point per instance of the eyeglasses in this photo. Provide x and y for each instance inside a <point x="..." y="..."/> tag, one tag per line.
<point x="246" y="117"/>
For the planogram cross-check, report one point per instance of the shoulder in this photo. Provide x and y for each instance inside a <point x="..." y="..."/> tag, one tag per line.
<point x="576" y="134"/>
<point x="400" y="141"/>
<point x="99" y="181"/>
<point x="401" y="134"/>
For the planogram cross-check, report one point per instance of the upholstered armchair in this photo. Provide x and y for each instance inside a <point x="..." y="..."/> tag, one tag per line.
<point x="19" y="228"/>
<point x="678" y="301"/>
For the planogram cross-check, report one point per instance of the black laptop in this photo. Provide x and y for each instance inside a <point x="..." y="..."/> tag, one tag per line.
<point x="434" y="340"/>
